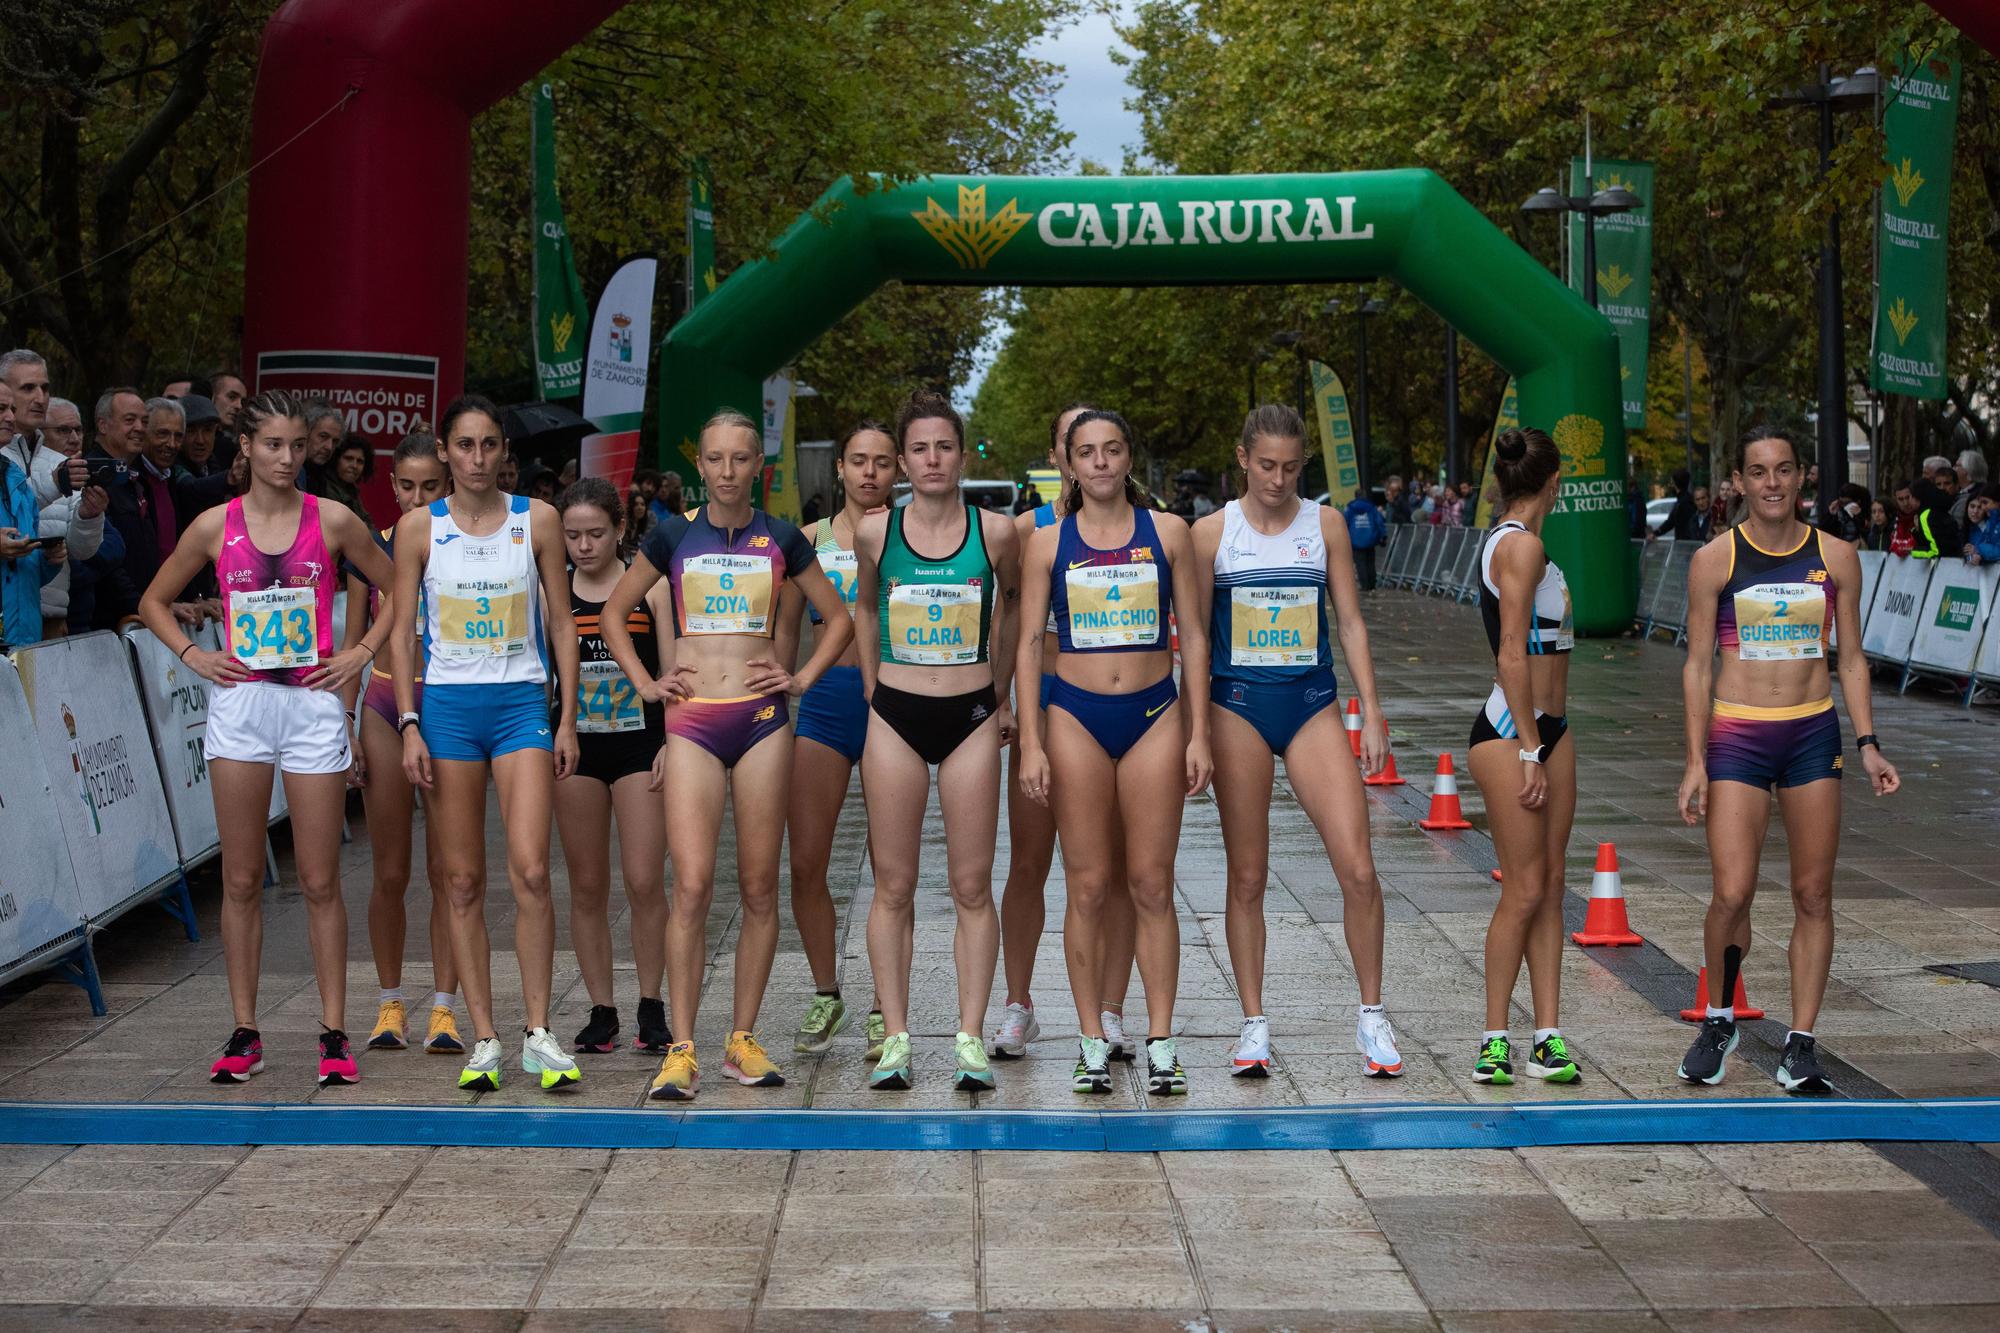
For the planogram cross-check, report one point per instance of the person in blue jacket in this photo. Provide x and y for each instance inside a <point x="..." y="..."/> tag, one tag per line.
<point x="24" y="565"/>
<point x="1982" y="527"/>
<point x="1365" y="528"/>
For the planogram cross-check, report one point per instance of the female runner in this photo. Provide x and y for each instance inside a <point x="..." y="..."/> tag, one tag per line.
<point x="1525" y="772"/>
<point x="1031" y="845"/>
<point x="1276" y="561"/>
<point x="936" y="645"/>
<point x="419" y="478"/>
<point x="1115" y="749"/>
<point x="832" y="726"/>
<point x="1765" y="718"/>
<point x="276" y="706"/>
<point x="488" y="567"/>
<point x="727" y="726"/>
<point x="620" y="752"/>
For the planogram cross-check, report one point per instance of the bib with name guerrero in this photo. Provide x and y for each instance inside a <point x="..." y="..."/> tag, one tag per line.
<point x="1780" y="622"/>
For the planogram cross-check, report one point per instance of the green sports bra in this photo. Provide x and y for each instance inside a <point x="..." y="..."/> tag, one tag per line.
<point x="935" y="612"/>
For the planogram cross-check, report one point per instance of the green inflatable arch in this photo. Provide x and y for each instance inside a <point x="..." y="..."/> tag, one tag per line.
<point x="1132" y="231"/>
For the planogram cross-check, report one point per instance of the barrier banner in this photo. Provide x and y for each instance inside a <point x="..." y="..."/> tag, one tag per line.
<point x="176" y="702"/>
<point x="38" y="900"/>
<point x="1892" y="621"/>
<point x="103" y="778"/>
<point x="1871" y="574"/>
<point x="1954" y="614"/>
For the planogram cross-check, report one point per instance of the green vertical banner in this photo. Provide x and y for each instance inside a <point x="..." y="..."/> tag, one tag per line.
<point x="1509" y="418"/>
<point x="701" y="233"/>
<point x="560" y="312"/>
<point x="1624" y="270"/>
<point x="1918" y="124"/>
<point x="1336" y="433"/>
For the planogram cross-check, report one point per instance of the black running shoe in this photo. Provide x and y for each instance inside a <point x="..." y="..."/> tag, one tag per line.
<point x="654" y="1034"/>
<point x="1703" y="1062"/>
<point x="600" y="1034"/>
<point x="1799" y="1071"/>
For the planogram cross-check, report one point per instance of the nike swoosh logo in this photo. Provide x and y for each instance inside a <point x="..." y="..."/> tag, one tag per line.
<point x="1079" y="564"/>
<point x="1155" y="712"/>
<point x="447" y="540"/>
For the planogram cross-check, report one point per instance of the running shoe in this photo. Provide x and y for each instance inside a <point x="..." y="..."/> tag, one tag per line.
<point x="336" y="1061"/>
<point x="892" y="1072"/>
<point x="878" y="1032"/>
<point x="1114" y="1035"/>
<point x="1164" y="1075"/>
<point x="1551" y="1061"/>
<point x="1376" y="1041"/>
<point x="242" y="1056"/>
<point x="1712" y="1045"/>
<point x="973" y="1074"/>
<point x="824" y="1019"/>
<point x="1252" y="1056"/>
<point x="600" y="1034"/>
<point x="654" y="1034"/>
<point x="483" y="1069"/>
<point x="1799" y="1070"/>
<point x="679" y="1078"/>
<point x="1017" y="1028"/>
<point x="392" y="1027"/>
<point x="542" y="1054"/>
<point x="1495" y="1063"/>
<point x="443" y="1038"/>
<point x="744" y="1060"/>
<point x="1093" y="1066"/>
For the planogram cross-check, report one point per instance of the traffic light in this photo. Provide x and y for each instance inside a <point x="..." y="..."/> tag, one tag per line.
<point x="982" y="447"/>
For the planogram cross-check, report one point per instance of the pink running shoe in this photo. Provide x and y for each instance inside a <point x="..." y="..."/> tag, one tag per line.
<point x="336" y="1062"/>
<point x="242" y="1056"/>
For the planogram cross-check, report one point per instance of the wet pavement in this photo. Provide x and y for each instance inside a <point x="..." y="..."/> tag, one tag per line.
<point x="1831" y="1236"/>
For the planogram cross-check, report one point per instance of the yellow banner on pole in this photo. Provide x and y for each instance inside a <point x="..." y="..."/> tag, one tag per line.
<point x="1336" y="432"/>
<point x="1509" y="418"/>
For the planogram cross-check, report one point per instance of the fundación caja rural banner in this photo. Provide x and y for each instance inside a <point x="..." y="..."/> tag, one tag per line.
<point x="700" y="233"/>
<point x="560" y="311"/>
<point x="1919" y="122"/>
<point x="1624" y="270"/>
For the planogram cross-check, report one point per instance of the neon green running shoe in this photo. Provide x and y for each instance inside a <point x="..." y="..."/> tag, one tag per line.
<point x="878" y="1032"/>
<point x="1552" y="1063"/>
<point x="973" y="1074"/>
<point x="482" y="1071"/>
<point x="892" y="1074"/>
<point x="1093" y="1066"/>
<point x="824" y="1019"/>
<point x="1496" y="1062"/>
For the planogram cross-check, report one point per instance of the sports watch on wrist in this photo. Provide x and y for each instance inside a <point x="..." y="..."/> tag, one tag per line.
<point x="405" y="722"/>
<point x="1538" y="755"/>
<point x="1862" y="742"/>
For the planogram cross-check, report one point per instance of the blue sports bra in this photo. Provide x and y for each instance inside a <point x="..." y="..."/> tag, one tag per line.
<point x="1114" y="601"/>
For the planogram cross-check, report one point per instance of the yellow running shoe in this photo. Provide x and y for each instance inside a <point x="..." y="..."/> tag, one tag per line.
<point x="443" y="1038"/>
<point x="744" y="1060"/>
<point x="679" y="1078"/>
<point x="392" y="1026"/>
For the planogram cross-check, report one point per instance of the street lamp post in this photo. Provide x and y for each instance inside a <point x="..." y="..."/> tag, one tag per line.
<point x="1828" y="95"/>
<point x="1451" y="461"/>
<point x="1617" y="199"/>
<point x="1262" y="355"/>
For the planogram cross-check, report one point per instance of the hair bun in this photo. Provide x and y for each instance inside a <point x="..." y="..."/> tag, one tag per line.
<point x="1511" y="446"/>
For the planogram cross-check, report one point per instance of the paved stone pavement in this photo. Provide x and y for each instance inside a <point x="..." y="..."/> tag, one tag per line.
<point x="1831" y="1236"/>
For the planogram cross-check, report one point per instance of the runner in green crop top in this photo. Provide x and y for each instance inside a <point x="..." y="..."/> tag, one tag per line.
<point x="934" y="612"/>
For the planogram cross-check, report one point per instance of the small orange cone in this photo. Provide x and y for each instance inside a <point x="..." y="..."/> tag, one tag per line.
<point x="1700" y="1010"/>
<point x="1388" y="777"/>
<point x="1353" y="724"/>
<point x="1604" y="922"/>
<point x="1496" y="874"/>
<point x="1445" y="813"/>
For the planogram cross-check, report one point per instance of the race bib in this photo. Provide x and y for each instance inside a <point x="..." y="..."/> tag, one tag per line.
<point x="1114" y="606"/>
<point x="934" y="624"/>
<point x="1780" y="622"/>
<point x="726" y="594"/>
<point x="840" y="569"/>
<point x="481" y="618"/>
<point x="273" y="629"/>
<point x="1566" y="635"/>
<point x="1274" y="626"/>
<point x="606" y="703"/>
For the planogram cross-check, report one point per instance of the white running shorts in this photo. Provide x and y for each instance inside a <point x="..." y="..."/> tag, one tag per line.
<point x="299" y="730"/>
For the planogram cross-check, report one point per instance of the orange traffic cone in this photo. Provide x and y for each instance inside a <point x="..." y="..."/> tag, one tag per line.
<point x="1388" y="777"/>
<point x="1604" y="922"/>
<point x="1353" y="724"/>
<point x="1700" y="1010"/>
<point x="1496" y="874"/>
<point x="1445" y="813"/>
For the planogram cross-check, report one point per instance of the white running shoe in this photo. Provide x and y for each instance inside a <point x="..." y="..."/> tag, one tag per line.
<point x="1252" y="1056"/>
<point x="483" y="1069"/>
<point x="1114" y="1035"/>
<point x="543" y="1055"/>
<point x="1017" y="1028"/>
<point x="1376" y="1041"/>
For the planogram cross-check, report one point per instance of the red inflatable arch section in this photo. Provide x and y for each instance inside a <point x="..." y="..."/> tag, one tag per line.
<point x="355" y="274"/>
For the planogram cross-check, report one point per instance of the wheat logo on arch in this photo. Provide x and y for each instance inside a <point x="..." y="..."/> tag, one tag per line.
<point x="1581" y="440"/>
<point x="971" y="238"/>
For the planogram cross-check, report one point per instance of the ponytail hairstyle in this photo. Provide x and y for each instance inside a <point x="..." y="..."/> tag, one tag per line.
<point x="417" y="444"/>
<point x="593" y="491"/>
<point x="1523" y="461"/>
<point x="1133" y="495"/>
<point x="1759" y="433"/>
<point x="1278" y="421"/>
<point x="270" y="405"/>
<point x="467" y="404"/>
<point x="729" y="417"/>
<point x="1056" y="421"/>
<point x="926" y="405"/>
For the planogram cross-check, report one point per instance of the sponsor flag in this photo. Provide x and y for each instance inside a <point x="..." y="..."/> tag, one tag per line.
<point x="614" y="381"/>
<point x="1919" y="122"/>
<point x="780" y="479"/>
<point x="1336" y="433"/>
<point x="1624" y="270"/>
<point x="701" y="234"/>
<point x="1509" y="418"/>
<point x="559" y="306"/>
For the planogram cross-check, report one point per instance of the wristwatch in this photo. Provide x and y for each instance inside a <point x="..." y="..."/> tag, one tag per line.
<point x="405" y="722"/>
<point x="1861" y="742"/>
<point x="1538" y="755"/>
